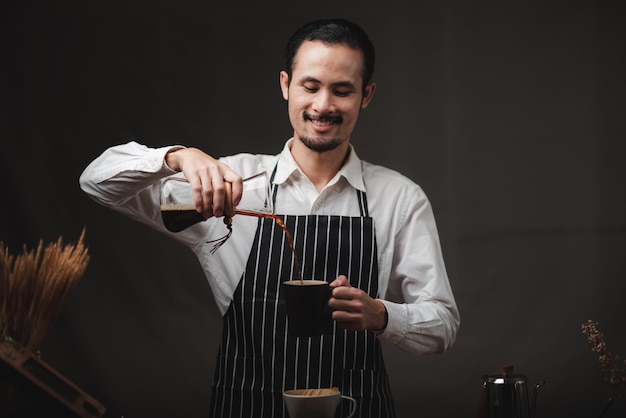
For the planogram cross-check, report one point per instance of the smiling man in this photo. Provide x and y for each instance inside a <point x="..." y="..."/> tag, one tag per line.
<point x="368" y="230"/>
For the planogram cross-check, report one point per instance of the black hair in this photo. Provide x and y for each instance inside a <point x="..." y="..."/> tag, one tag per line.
<point x="333" y="32"/>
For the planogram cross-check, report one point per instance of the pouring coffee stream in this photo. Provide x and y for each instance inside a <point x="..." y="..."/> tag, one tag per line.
<point x="230" y="210"/>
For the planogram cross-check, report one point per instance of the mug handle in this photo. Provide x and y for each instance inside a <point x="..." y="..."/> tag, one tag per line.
<point x="352" y="403"/>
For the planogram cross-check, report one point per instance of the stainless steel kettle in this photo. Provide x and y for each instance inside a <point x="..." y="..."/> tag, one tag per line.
<point x="507" y="396"/>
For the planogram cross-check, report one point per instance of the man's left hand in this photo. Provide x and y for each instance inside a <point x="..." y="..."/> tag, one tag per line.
<point x="353" y="309"/>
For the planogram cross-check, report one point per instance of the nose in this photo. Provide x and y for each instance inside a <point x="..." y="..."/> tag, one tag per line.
<point x="323" y="102"/>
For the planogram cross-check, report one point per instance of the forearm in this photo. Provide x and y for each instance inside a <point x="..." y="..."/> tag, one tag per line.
<point x="121" y="172"/>
<point x="426" y="318"/>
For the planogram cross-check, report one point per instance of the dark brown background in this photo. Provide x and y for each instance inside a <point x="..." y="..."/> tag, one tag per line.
<point x="510" y="115"/>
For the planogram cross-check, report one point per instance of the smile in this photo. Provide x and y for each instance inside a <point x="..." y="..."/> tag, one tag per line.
<point x="322" y="120"/>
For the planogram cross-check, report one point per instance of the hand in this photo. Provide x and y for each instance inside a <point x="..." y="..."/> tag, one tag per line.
<point x="353" y="309"/>
<point x="206" y="175"/>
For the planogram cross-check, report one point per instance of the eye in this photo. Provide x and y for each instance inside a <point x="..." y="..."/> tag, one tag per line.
<point x="310" y="88"/>
<point x="343" y="93"/>
<point x="343" y="89"/>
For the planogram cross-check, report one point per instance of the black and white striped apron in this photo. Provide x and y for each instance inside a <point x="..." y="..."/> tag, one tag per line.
<point x="257" y="360"/>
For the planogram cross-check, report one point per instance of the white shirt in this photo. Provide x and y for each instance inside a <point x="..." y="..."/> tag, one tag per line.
<point x="413" y="283"/>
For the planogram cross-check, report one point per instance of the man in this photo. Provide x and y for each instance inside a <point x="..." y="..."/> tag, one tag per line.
<point x="369" y="231"/>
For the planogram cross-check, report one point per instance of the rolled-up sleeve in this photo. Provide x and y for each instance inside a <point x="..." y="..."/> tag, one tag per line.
<point x="120" y="171"/>
<point x="126" y="178"/>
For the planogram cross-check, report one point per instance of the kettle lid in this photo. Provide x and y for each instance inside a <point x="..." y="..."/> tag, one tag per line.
<point x="506" y="377"/>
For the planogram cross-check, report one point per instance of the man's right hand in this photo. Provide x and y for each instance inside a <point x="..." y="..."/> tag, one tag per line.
<point x="206" y="175"/>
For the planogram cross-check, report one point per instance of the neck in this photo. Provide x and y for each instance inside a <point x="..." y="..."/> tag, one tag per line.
<point x="319" y="167"/>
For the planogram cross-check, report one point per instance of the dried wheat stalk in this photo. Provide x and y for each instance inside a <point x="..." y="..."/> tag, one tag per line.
<point x="34" y="287"/>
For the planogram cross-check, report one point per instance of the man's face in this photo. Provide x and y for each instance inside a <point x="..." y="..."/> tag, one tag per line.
<point x="325" y="95"/>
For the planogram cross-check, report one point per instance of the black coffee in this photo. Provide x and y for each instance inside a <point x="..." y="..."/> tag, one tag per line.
<point x="178" y="218"/>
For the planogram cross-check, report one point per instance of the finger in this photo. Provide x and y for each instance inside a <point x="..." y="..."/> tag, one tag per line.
<point x="342" y="293"/>
<point x="347" y="320"/>
<point x="206" y="194"/>
<point x="197" y="192"/>
<point x="340" y="281"/>
<point x="219" y="193"/>
<point x="236" y="186"/>
<point x="347" y="292"/>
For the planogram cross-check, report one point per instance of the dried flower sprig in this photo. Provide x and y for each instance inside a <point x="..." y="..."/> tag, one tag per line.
<point x="613" y="368"/>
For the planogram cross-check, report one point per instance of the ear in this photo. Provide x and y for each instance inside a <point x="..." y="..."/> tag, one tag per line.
<point x="284" y="84"/>
<point x="368" y="94"/>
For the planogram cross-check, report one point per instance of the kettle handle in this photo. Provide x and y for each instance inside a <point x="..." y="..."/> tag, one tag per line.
<point x="481" y="412"/>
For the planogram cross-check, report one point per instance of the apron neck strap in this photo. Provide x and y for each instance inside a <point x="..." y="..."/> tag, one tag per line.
<point x="361" y="196"/>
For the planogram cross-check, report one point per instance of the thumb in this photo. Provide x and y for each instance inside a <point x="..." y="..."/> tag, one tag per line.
<point x="340" y="281"/>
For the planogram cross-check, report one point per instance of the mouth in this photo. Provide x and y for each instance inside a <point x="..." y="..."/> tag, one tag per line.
<point x="322" y="120"/>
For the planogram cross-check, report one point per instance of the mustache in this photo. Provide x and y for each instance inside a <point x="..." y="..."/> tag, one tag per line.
<point x="323" y="118"/>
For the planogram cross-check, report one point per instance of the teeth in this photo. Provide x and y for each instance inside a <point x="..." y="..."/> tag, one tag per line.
<point x="322" y="123"/>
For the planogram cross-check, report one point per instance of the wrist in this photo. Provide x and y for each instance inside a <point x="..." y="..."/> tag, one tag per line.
<point x="385" y="319"/>
<point x="171" y="159"/>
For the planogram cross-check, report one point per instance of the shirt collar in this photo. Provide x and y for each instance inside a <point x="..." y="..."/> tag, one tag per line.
<point x="351" y="170"/>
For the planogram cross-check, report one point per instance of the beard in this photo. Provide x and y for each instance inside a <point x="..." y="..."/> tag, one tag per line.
<point x="320" y="145"/>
